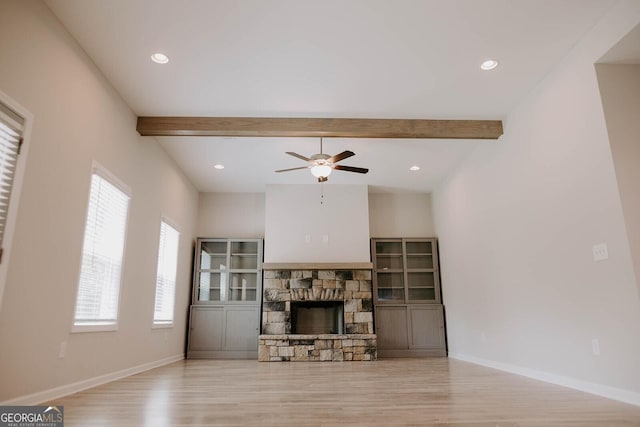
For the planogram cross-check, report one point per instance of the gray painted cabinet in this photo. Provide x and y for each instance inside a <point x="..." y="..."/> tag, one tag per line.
<point x="225" y="311"/>
<point x="392" y="328"/>
<point x="409" y="315"/>
<point x="225" y="332"/>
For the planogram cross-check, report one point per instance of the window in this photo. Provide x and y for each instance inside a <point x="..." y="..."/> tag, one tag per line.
<point x="166" y="276"/>
<point x="102" y="254"/>
<point x="11" y="127"/>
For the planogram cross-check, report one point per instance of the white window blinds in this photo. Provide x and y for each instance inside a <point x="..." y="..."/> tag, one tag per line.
<point x="11" y="127"/>
<point x="102" y="253"/>
<point x="166" y="276"/>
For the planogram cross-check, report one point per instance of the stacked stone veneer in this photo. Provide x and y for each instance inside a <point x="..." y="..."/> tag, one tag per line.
<point x="317" y="348"/>
<point x="281" y="287"/>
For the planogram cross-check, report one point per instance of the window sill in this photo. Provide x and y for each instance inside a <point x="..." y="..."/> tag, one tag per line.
<point x="162" y="325"/>
<point x="94" y="328"/>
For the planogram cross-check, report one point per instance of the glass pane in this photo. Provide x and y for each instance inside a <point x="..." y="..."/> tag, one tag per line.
<point x="388" y="247"/>
<point x="247" y="262"/>
<point x="243" y="287"/>
<point x="244" y="248"/>
<point x="422" y="294"/>
<point x="421" y="286"/>
<point x="420" y="280"/>
<point x="419" y="261"/>
<point x="390" y="286"/>
<point x="213" y="256"/>
<point x="389" y="262"/>
<point x="209" y="288"/>
<point x="396" y="294"/>
<point x="419" y="248"/>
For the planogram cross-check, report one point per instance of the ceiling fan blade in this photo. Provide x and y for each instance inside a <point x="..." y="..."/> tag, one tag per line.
<point x="300" y="156"/>
<point x="292" y="169"/>
<point x="350" y="169"/>
<point x="341" y="156"/>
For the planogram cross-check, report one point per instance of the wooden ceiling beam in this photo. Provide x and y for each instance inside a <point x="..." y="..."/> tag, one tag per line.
<point x="319" y="127"/>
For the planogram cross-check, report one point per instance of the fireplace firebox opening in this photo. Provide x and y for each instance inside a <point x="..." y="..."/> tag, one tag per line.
<point x="317" y="317"/>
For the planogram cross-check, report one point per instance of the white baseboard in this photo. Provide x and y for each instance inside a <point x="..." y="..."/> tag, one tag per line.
<point x="58" y="392"/>
<point x="614" y="393"/>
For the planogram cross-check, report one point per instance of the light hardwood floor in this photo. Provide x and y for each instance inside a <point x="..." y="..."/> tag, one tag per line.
<point x="419" y="392"/>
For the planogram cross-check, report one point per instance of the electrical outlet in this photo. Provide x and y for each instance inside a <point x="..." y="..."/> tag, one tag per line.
<point x="600" y="252"/>
<point x="595" y="346"/>
<point x="325" y="238"/>
<point x="307" y="238"/>
<point x="63" y="349"/>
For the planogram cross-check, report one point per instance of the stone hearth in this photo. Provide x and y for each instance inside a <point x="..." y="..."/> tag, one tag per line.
<point x="282" y="286"/>
<point x="317" y="348"/>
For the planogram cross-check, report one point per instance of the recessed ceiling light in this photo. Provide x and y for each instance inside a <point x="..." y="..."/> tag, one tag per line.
<point x="489" y="64"/>
<point x="159" y="58"/>
<point x="414" y="168"/>
<point x="219" y="166"/>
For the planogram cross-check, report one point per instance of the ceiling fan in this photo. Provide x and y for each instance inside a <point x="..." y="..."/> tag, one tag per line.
<point x="321" y="164"/>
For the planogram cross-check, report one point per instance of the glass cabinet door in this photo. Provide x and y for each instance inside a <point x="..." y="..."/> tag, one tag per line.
<point x="421" y="271"/>
<point x="244" y="255"/>
<point x="211" y="286"/>
<point x="243" y="287"/>
<point x="212" y="266"/>
<point x="390" y="286"/>
<point x="227" y="270"/>
<point x="405" y="270"/>
<point x="389" y="271"/>
<point x="419" y="255"/>
<point x="421" y="286"/>
<point x="213" y="255"/>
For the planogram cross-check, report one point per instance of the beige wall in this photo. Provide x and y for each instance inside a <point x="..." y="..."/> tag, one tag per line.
<point x="231" y="215"/>
<point x="620" y="90"/>
<point x="243" y="215"/>
<point x="517" y="223"/>
<point x="78" y="118"/>
<point x="400" y="215"/>
<point x="295" y="211"/>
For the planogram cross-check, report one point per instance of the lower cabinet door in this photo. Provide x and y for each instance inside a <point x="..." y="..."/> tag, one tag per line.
<point x="206" y="328"/>
<point x="225" y="331"/>
<point x="427" y="327"/>
<point x="242" y="328"/>
<point x="391" y="328"/>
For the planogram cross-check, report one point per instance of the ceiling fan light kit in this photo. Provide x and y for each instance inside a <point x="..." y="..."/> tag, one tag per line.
<point x="321" y="165"/>
<point x="321" y="170"/>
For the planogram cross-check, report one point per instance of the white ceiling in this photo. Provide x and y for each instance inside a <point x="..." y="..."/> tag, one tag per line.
<point x="328" y="58"/>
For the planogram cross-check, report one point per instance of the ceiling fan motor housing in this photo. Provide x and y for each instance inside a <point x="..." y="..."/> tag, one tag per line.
<point x="320" y="157"/>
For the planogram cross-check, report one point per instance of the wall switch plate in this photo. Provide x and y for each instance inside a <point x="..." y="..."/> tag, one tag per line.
<point x="325" y="238"/>
<point x="600" y="252"/>
<point x="595" y="346"/>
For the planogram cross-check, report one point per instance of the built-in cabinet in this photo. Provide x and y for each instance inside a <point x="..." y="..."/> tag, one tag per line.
<point x="225" y="311"/>
<point x="409" y="315"/>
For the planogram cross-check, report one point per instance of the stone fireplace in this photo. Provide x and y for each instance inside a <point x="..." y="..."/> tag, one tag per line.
<point x="317" y="312"/>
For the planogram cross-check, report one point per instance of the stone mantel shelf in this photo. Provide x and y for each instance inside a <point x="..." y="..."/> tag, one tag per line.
<point x="318" y="337"/>
<point x="317" y="266"/>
